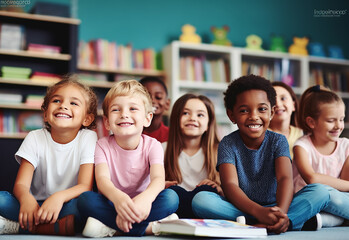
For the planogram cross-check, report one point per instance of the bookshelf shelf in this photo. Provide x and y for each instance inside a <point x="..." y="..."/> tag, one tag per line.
<point x="120" y="71"/>
<point x="37" y="17"/>
<point x="20" y="106"/>
<point x="21" y="53"/>
<point x="19" y="136"/>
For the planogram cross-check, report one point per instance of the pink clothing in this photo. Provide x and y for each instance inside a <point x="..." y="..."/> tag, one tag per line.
<point x="129" y="169"/>
<point x="161" y="134"/>
<point x="330" y="165"/>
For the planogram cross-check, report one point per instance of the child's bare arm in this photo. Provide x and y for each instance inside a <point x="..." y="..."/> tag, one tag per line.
<point x="123" y="204"/>
<point x="144" y="200"/>
<point x="345" y="170"/>
<point x="50" y="209"/>
<point x="238" y="198"/>
<point x="28" y="204"/>
<point x="310" y="176"/>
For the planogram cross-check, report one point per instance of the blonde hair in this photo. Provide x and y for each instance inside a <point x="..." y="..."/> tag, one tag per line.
<point x="175" y="144"/>
<point x="128" y="88"/>
<point x="310" y="103"/>
<point x="73" y="79"/>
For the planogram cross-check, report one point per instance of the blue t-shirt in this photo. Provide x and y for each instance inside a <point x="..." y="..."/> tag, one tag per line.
<point x="255" y="168"/>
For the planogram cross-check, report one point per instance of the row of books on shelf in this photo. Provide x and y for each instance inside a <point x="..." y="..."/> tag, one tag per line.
<point x="13" y="37"/>
<point x="12" y="121"/>
<point x="23" y="73"/>
<point x="335" y="80"/>
<point x="104" y="54"/>
<point x="16" y="97"/>
<point x="276" y="71"/>
<point x="201" y="69"/>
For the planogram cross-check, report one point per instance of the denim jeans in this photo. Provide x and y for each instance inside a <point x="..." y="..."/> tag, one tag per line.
<point x="92" y="204"/>
<point x="9" y="208"/>
<point x="185" y="198"/>
<point x="306" y="203"/>
<point x="339" y="203"/>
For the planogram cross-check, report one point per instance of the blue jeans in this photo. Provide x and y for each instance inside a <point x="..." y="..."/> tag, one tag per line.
<point x="92" y="204"/>
<point x="306" y="203"/>
<point x="185" y="198"/>
<point x="9" y="208"/>
<point x="339" y="203"/>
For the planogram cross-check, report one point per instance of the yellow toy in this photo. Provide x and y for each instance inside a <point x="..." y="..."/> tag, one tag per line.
<point x="299" y="46"/>
<point x="220" y="36"/>
<point x="189" y="35"/>
<point x="254" y="42"/>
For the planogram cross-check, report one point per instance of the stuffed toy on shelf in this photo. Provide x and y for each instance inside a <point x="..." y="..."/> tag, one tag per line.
<point x="220" y="36"/>
<point x="299" y="46"/>
<point x="277" y="44"/>
<point x="254" y="42"/>
<point x="189" y="35"/>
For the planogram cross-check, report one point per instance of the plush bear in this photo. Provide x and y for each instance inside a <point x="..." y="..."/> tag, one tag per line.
<point x="220" y="36"/>
<point x="277" y="44"/>
<point x="189" y="35"/>
<point x="316" y="49"/>
<point x="299" y="46"/>
<point x="254" y="42"/>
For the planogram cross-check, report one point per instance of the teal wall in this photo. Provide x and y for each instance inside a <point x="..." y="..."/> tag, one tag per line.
<point x="155" y="23"/>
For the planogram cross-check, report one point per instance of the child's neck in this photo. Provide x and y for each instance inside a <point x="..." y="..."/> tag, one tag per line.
<point x="62" y="136"/>
<point x="282" y="128"/>
<point x="323" y="147"/>
<point x="192" y="145"/>
<point x="155" y="123"/>
<point x="127" y="142"/>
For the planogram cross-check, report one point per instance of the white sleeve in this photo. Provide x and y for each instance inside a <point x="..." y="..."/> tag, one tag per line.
<point x="87" y="146"/>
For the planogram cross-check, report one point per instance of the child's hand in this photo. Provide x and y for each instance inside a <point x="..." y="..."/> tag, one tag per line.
<point x="122" y="224"/>
<point x="27" y="213"/>
<point x="212" y="184"/>
<point x="50" y="209"/>
<point x="170" y="183"/>
<point x="127" y="210"/>
<point x="270" y="215"/>
<point x="143" y="206"/>
<point x="281" y="226"/>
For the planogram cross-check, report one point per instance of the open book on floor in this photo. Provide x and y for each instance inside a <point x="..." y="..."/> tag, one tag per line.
<point x="210" y="228"/>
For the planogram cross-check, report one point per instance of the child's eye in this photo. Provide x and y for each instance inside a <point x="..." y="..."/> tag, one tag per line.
<point x="133" y="109"/>
<point x="185" y="113"/>
<point x="283" y="98"/>
<point x="74" y="103"/>
<point x="263" y="109"/>
<point x="55" y="100"/>
<point x="114" y="110"/>
<point x="201" y="115"/>
<point x="243" y="111"/>
<point x="158" y="98"/>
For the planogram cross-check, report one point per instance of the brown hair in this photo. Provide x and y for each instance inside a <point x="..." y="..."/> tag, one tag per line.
<point x="294" y="98"/>
<point x="73" y="79"/>
<point x="128" y="88"/>
<point x="175" y="144"/>
<point x="310" y="103"/>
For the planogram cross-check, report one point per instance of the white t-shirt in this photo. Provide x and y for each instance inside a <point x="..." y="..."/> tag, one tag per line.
<point x="330" y="165"/>
<point x="56" y="165"/>
<point x="192" y="169"/>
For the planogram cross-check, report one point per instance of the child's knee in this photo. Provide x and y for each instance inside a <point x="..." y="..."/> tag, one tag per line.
<point x="171" y="198"/>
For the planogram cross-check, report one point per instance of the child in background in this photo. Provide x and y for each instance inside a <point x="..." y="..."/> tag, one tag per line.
<point x="255" y="167"/>
<point x="56" y="164"/>
<point x="158" y="92"/>
<point x="129" y="169"/>
<point x="322" y="156"/>
<point x="285" y="118"/>
<point x="191" y="151"/>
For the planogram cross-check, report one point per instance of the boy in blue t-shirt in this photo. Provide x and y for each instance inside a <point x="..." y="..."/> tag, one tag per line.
<point x="255" y="168"/>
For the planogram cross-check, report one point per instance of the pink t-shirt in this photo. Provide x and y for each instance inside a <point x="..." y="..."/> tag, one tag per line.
<point x="330" y="165"/>
<point x="129" y="169"/>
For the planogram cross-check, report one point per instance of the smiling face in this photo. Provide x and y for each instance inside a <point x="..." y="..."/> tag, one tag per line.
<point x="330" y="123"/>
<point x="252" y="113"/>
<point x="159" y="97"/>
<point x="285" y="105"/>
<point x="67" y="110"/>
<point x="127" y="117"/>
<point x="194" y="119"/>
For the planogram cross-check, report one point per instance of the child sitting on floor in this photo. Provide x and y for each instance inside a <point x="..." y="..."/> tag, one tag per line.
<point x="255" y="167"/>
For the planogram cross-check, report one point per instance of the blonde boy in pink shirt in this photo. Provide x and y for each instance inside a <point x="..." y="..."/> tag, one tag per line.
<point x="129" y="169"/>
